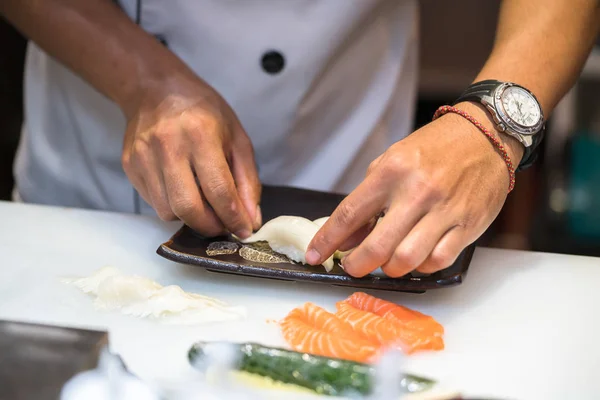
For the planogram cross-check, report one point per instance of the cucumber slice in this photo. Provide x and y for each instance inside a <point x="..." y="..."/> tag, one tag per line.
<point x="323" y="375"/>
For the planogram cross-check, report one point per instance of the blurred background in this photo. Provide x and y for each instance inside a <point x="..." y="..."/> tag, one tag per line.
<point x="555" y="206"/>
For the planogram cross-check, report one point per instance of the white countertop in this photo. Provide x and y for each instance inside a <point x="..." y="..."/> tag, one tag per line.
<point x="522" y="326"/>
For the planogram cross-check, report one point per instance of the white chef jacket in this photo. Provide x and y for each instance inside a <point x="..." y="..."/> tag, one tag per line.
<point x="341" y="90"/>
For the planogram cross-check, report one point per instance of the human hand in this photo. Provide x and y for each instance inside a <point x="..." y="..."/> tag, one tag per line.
<point x="440" y="189"/>
<point x="188" y="156"/>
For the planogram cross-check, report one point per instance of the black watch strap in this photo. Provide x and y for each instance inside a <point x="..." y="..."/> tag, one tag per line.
<point x="486" y="88"/>
<point x="477" y="90"/>
<point x="531" y="153"/>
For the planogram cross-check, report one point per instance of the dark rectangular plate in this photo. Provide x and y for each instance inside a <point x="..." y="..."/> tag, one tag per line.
<point x="37" y="360"/>
<point x="188" y="247"/>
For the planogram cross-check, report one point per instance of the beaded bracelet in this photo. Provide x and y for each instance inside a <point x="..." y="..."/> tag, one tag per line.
<point x="495" y="141"/>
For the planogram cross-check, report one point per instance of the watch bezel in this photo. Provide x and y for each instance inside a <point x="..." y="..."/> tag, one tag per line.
<point x="507" y="120"/>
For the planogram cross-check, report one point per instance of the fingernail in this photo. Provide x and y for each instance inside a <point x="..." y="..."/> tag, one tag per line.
<point x="343" y="262"/>
<point x="258" y="217"/>
<point x="244" y="233"/>
<point x="313" y="257"/>
<point x="347" y="267"/>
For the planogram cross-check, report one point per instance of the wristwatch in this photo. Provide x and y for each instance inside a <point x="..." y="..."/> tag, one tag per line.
<point x="516" y="112"/>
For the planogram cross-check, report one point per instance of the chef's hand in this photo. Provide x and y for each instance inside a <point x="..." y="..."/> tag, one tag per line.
<point x="439" y="190"/>
<point x="188" y="156"/>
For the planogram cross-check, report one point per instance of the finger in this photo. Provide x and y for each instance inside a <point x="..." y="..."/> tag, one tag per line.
<point x="187" y="202"/>
<point x="146" y="169"/>
<point x="157" y="193"/>
<point x="417" y="245"/>
<point x="373" y="165"/>
<point x="140" y="187"/>
<point x="246" y="178"/>
<point x="353" y="212"/>
<point x="379" y="246"/>
<point x="133" y="174"/>
<point x="137" y="181"/>
<point x="446" y="251"/>
<point x="219" y="188"/>
<point x="357" y="237"/>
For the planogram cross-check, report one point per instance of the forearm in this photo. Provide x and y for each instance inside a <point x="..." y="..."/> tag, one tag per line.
<point x="96" y="40"/>
<point x="543" y="45"/>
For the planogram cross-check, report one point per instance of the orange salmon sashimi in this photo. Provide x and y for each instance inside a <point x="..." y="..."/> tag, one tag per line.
<point x="405" y="316"/>
<point x="321" y="319"/>
<point x="387" y="332"/>
<point x="301" y="332"/>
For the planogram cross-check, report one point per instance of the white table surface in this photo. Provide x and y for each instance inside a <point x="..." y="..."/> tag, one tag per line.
<point x="523" y="325"/>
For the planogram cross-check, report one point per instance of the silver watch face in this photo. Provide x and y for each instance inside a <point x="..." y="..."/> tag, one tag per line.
<point x="519" y="109"/>
<point x="520" y="106"/>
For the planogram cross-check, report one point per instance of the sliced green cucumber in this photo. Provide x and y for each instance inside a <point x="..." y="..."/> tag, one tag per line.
<point x="327" y="376"/>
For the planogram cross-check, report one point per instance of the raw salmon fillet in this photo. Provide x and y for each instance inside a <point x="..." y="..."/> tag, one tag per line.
<point x="404" y="316"/>
<point x="311" y="329"/>
<point x="387" y="332"/>
<point x="321" y="319"/>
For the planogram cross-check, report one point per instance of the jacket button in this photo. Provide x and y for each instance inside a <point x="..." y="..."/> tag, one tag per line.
<point x="273" y="62"/>
<point x="161" y="39"/>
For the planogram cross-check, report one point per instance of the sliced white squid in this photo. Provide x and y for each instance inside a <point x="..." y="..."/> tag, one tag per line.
<point x="90" y="284"/>
<point x="144" y="298"/>
<point x="117" y="291"/>
<point x="173" y="304"/>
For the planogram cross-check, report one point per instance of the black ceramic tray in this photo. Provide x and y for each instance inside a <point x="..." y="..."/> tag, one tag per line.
<point x="188" y="247"/>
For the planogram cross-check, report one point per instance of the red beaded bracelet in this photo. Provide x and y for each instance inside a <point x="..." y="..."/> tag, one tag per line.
<point x="495" y="141"/>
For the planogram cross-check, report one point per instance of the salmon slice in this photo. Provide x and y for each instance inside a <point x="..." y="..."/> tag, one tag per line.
<point x="405" y="316"/>
<point x="386" y="332"/>
<point x="321" y="319"/>
<point x="310" y="329"/>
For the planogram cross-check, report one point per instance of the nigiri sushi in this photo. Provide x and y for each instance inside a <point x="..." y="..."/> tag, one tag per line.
<point x="290" y="236"/>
